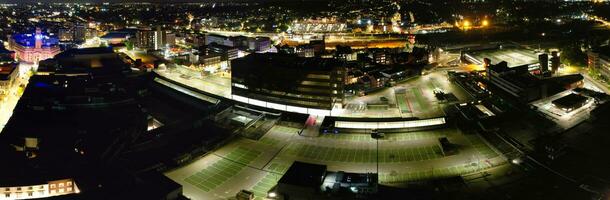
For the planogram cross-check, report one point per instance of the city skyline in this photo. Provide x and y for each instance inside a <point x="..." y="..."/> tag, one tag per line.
<point x="337" y="99"/>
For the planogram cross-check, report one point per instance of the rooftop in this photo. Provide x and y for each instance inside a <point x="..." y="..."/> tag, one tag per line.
<point x="6" y="70"/>
<point x="603" y="50"/>
<point x="99" y="60"/>
<point x="512" y="55"/>
<point x="29" y="40"/>
<point x="570" y="101"/>
<point x="258" y="61"/>
<point x="304" y="174"/>
<point x="116" y="34"/>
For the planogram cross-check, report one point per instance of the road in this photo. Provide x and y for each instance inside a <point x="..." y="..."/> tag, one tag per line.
<point x="8" y="103"/>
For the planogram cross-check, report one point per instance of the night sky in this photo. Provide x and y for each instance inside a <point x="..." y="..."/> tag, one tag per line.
<point x="114" y="1"/>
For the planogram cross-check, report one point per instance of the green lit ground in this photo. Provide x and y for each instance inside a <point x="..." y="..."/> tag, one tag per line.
<point x="258" y="165"/>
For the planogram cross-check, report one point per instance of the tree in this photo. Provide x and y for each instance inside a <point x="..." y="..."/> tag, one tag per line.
<point x="129" y="45"/>
<point x="571" y="54"/>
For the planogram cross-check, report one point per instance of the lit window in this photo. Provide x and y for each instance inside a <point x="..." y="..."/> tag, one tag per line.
<point x="69" y="183"/>
<point x="69" y="189"/>
<point x="61" y="184"/>
<point x="52" y="185"/>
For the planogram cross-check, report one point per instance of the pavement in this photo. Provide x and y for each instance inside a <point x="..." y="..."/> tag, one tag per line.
<point x="8" y="103"/>
<point x="257" y="165"/>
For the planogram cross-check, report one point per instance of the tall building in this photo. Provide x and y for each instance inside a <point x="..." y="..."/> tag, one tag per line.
<point x="288" y="82"/>
<point x="544" y="62"/>
<point x="599" y="60"/>
<point x="80" y="33"/>
<point x="145" y="39"/>
<point x="227" y="52"/>
<point x="259" y="44"/>
<point x="154" y="39"/>
<point x="34" y="47"/>
<point x="65" y="34"/>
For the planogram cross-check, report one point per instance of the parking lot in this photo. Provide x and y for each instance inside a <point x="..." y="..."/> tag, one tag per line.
<point x="411" y="98"/>
<point x="416" y="135"/>
<point x="222" y="170"/>
<point x="258" y="165"/>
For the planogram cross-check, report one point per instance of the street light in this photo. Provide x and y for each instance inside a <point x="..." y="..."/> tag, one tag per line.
<point x="376" y="135"/>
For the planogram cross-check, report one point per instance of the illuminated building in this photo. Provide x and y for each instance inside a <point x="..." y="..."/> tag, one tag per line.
<point x="599" y="60"/>
<point x="43" y="190"/>
<point x="34" y="47"/>
<point x="8" y="74"/>
<point x="289" y="83"/>
<point x="259" y="44"/>
<point x="154" y="39"/>
<point x="116" y="37"/>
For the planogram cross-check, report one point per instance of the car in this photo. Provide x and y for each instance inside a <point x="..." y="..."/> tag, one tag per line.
<point x="377" y="135"/>
<point x="244" y="195"/>
<point x="184" y="76"/>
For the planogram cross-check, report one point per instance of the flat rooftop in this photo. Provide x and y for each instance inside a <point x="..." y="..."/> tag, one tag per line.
<point x="29" y="40"/>
<point x="304" y="174"/>
<point x="512" y="55"/>
<point x="571" y="101"/>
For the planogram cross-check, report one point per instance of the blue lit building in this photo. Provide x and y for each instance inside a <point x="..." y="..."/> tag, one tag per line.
<point x="34" y="47"/>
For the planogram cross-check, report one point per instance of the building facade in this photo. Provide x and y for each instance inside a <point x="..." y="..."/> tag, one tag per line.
<point x="288" y="82"/>
<point x="32" y="48"/>
<point x="49" y="189"/>
<point x="154" y="39"/>
<point x="8" y="75"/>
<point x="600" y="61"/>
